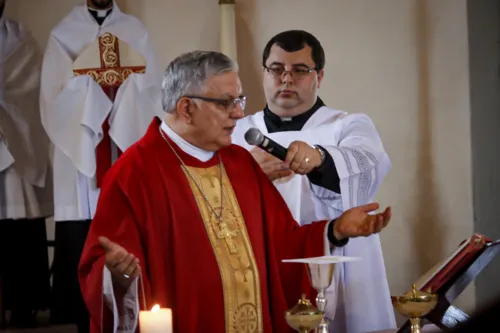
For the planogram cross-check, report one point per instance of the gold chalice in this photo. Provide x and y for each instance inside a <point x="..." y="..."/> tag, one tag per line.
<point x="321" y="276"/>
<point x="320" y="271"/>
<point x="303" y="317"/>
<point x="414" y="305"/>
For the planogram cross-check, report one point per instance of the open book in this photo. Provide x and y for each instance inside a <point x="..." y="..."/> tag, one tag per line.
<point x="448" y="268"/>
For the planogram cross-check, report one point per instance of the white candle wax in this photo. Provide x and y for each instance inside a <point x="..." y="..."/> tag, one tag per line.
<point x="156" y="321"/>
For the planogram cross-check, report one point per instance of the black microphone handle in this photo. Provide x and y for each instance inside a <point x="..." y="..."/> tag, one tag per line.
<point x="274" y="148"/>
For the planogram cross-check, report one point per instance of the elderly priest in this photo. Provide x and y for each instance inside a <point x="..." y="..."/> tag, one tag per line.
<point x="188" y="221"/>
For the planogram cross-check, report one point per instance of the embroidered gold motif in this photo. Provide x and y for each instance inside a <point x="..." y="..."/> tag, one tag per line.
<point x="109" y="50"/>
<point x="110" y="73"/>
<point x="245" y="318"/>
<point x="233" y="251"/>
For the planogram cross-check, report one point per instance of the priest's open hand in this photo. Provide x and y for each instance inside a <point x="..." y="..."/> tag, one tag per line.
<point x="272" y="166"/>
<point x="124" y="266"/>
<point x="356" y="221"/>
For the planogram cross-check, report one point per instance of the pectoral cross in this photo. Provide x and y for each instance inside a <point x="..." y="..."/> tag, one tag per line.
<point x="227" y="234"/>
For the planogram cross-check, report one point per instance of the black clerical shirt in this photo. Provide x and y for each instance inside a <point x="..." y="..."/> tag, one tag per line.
<point x="99" y="19"/>
<point x="325" y="176"/>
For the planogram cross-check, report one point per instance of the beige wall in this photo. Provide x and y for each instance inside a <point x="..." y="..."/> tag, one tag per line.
<point x="403" y="62"/>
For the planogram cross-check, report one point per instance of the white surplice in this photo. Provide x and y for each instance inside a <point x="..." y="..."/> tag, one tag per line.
<point x="74" y="108"/>
<point x="25" y="186"/>
<point x="359" y="298"/>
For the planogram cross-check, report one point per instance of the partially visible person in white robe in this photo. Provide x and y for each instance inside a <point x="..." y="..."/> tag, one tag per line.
<point x="26" y="197"/>
<point x="342" y="164"/>
<point x="100" y="89"/>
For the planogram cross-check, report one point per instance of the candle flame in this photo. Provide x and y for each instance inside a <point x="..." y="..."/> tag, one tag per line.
<point x="155" y="308"/>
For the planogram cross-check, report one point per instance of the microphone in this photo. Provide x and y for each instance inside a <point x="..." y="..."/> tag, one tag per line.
<point x="255" y="137"/>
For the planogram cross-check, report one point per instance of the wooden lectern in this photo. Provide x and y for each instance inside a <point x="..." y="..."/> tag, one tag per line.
<point x="450" y="277"/>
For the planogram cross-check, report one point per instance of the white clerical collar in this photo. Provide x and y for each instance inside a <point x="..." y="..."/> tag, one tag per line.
<point x="100" y="12"/>
<point x="196" y="152"/>
<point x="115" y="10"/>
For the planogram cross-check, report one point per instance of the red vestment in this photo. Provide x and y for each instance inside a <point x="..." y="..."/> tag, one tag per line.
<point x="147" y="206"/>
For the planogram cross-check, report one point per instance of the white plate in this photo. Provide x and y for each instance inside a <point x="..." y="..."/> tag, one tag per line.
<point x="323" y="260"/>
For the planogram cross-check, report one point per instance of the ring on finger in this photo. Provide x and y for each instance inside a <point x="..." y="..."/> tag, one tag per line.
<point x="126" y="276"/>
<point x="307" y="159"/>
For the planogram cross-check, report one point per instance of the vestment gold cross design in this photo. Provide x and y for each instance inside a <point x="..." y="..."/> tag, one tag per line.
<point x="246" y="319"/>
<point x="244" y="268"/>
<point x="227" y="234"/>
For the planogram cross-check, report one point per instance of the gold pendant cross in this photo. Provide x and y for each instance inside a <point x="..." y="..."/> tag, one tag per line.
<point x="227" y="234"/>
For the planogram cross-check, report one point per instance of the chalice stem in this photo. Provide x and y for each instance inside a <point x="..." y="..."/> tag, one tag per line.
<point x="321" y="300"/>
<point x="322" y="327"/>
<point x="415" y="325"/>
<point x="321" y="304"/>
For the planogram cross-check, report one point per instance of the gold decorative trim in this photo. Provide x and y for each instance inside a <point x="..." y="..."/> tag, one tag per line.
<point x="108" y="46"/>
<point x="110" y="76"/>
<point x="232" y="249"/>
<point x="110" y="73"/>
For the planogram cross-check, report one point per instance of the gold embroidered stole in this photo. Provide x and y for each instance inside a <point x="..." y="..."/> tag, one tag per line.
<point x="232" y="249"/>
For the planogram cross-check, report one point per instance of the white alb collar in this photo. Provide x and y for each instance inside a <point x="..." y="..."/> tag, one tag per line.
<point x="188" y="148"/>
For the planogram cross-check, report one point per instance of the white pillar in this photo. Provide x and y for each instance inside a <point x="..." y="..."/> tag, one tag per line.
<point x="228" y="29"/>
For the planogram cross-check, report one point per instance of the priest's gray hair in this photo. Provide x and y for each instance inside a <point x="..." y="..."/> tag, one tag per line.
<point x="186" y="75"/>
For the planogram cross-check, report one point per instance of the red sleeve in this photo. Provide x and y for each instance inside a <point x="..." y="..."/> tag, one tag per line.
<point x="290" y="240"/>
<point x="114" y="219"/>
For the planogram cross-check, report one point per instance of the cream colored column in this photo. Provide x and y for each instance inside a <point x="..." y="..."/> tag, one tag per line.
<point x="228" y="29"/>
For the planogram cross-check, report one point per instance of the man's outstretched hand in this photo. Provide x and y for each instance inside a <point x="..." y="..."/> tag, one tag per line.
<point x="356" y="221"/>
<point x="124" y="266"/>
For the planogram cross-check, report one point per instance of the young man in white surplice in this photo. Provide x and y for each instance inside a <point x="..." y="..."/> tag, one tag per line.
<point x="343" y="162"/>
<point x="100" y="89"/>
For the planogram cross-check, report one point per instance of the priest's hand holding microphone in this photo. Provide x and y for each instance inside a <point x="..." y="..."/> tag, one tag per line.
<point x="301" y="158"/>
<point x="278" y="162"/>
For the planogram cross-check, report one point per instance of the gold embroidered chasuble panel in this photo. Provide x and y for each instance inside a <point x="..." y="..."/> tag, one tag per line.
<point x="232" y="248"/>
<point x="109" y="61"/>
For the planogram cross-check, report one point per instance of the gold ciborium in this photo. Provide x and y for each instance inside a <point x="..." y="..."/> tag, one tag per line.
<point x="303" y="317"/>
<point x="414" y="305"/>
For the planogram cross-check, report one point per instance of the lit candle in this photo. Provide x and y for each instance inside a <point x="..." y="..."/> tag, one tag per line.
<point x="156" y="321"/>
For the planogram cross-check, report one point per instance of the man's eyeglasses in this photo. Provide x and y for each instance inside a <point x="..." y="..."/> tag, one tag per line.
<point x="228" y="104"/>
<point x="278" y="71"/>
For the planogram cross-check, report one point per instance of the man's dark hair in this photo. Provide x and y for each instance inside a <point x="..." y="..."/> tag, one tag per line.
<point x="295" y="40"/>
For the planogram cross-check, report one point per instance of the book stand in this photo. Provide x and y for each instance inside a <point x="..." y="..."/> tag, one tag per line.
<point x="467" y="266"/>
